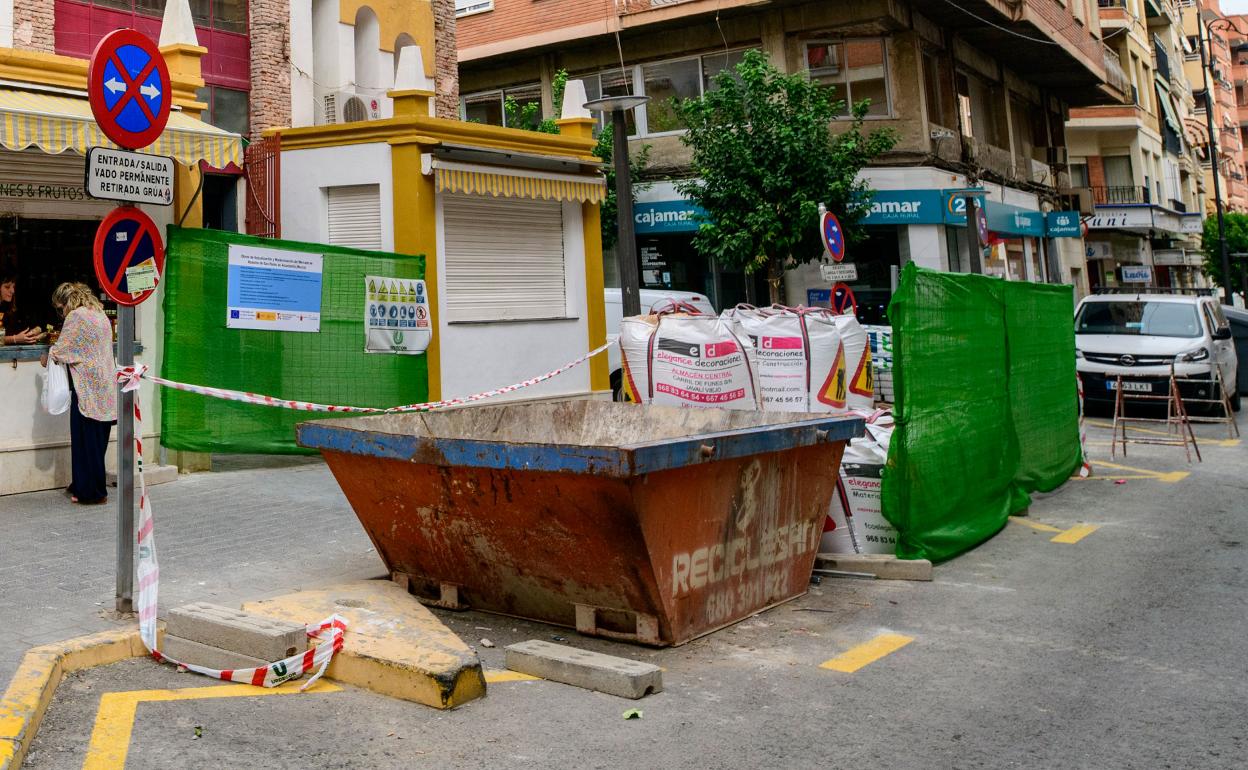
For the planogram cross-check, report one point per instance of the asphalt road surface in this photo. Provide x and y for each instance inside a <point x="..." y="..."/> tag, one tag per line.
<point x="1125" y="648"/>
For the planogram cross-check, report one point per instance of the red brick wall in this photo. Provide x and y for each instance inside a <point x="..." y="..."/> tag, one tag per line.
<point x="34" y="24"/>
<point x="270" y="69"/>
<point x="517" y="18"/>
<point x="446" y="59"/>
<point x="1096" y="171"/>
<point x="1076" y="35"/>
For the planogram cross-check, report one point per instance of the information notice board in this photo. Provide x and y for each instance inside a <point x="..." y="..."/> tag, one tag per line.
<point x="273" y="289"/>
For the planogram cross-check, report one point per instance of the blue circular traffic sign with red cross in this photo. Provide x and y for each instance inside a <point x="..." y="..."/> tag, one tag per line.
<point x="128" y="88"/>
<point x="126" y="239"/>
<point x="833" y="236"/>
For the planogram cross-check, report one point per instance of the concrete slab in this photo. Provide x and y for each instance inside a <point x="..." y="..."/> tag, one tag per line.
<point x="393" y="646"/>
<point x="152" y="475"/>
<point x="254" y="636"/>
<point x="187" y="651"/>
<point x="882" y="565"/>
<point x="582" y="668"/>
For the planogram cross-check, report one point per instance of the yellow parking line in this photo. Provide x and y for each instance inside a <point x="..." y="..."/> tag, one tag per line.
<point x="1076" y="533"/>
<point x="1170" y="477"/>
<point x="856" y="657"/>
<point x="494" y="676"/>
<point x="1034" y="524"/>
<point x="114" y="722"/>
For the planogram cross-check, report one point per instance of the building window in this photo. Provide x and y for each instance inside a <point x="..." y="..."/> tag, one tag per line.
<point x="487" y="106"/>
<point x="664" y="82"/>
<point x="228" y="108"/>
<point x="938" y="90"/>
<point x="858" y="69"/>
<point x="469" y="7"/>
<point x="225" y="15"/>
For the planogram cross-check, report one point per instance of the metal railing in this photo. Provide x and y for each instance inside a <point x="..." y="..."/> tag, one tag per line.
<point x="1118" y="195"/>
<point x="1115" y="76"/>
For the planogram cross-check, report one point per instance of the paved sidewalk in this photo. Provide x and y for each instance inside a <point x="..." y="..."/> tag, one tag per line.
<point x="254" y="528"/>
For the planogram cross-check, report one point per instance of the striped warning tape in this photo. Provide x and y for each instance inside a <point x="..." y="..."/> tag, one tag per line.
<point x="328" y="633"/>
<point x="1085" y="468"/>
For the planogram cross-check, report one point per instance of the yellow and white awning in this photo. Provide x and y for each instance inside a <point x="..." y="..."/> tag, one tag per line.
<point x="55" y="123"/>
<point x="501" y="182"/>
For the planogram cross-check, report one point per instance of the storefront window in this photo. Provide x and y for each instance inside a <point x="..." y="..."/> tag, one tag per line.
<point x="858" y="69"/>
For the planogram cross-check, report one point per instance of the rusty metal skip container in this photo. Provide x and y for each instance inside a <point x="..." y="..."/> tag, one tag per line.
<point x="648" y="524"/>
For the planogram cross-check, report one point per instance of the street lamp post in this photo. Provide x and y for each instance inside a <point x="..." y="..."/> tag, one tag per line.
<point x="1213" y="159"/>
<point x="626" y="241"/>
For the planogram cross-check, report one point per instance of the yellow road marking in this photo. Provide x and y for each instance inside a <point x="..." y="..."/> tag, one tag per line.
<point x="1076" y="533"/>
<point x="1066" y="536"/>
<point x="856" y="657"/>
<point x="494" y="676"/>
<point x="1225" y="442"/>
<point x="1034" y="524"/>
<point x="1139" y="473"/>
<point x="114" y="722"/>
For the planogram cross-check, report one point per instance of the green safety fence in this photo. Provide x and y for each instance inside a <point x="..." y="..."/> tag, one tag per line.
<point x="328" y="367"/>
<point x="986" y="406"/>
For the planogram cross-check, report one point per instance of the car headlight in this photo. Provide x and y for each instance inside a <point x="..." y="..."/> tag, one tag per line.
<point x="1200" y="354"/>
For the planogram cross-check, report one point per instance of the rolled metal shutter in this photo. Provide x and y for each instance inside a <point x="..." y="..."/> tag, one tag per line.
<point x="355" y="216"/>
<point x="504" y="259"/>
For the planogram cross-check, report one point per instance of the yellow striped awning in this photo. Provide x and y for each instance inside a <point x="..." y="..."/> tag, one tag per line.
<point x="518" y="183"/>
<point x="55" y="123"/>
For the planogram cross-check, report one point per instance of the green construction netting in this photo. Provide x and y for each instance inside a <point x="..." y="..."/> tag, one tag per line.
<point x="328" y="367"/>
<point x="986" y="406"/>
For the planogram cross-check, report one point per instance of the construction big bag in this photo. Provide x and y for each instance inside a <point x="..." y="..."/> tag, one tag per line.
<point x="857" y="362"/>
<point x="801" y="362"/>
<point x="681" y="357"/>
<point x="856" y="522"/>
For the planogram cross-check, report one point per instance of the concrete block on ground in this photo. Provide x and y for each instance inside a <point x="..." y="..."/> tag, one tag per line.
<point x="883" y="565"/>
<point x="152" y="475"/>
<point x="255" y="636"/>
<point x="393" y="645"/>
<point x="582" y="668"/>
<point x="186" y="651"/>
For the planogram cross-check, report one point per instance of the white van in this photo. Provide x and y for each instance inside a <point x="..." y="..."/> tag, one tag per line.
<point x="651" y="299"/>
<point x="1143" y="333"/>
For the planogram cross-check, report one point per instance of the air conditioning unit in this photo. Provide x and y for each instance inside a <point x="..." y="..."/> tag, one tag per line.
<point x="349" y="107"/>
<point x="1080" y="199"/>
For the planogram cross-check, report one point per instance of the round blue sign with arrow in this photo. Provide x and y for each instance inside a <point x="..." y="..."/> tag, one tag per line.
<point x="128" y="89"/>
<point x="833" y="236"/>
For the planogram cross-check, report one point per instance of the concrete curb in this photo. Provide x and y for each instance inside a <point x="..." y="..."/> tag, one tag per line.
<point x="40" y="673"/>
<point x="883" y="566"/>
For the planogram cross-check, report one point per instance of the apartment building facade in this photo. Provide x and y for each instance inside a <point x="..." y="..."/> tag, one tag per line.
<point x="1204" y="18"/>
<point x="977" y="93"/>
<point x="1139" y="160"/>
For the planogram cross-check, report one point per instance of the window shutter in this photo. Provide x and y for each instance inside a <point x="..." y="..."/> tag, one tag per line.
<point x="504" y="259"/>
<point x="355" y="216"/>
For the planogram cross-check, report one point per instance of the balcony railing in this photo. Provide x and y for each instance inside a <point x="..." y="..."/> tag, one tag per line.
<point x="1119" y="195"/>
<point x="1115" y="76"/>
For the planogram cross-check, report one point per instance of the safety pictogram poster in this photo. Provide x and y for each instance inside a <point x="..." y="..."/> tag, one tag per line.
<point x="396" y="315"/>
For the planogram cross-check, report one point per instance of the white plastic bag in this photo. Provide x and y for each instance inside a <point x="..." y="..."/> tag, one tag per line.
<point x="688" y="359"/>
<point x="55" y="398"/>
<point x="801" y="363"/>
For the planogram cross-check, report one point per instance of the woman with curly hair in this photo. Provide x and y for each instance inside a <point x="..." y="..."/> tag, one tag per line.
<point x="86" y="346"/>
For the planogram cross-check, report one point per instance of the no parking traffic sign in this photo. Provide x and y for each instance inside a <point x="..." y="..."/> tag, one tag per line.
<point x="128" y="88"/>
<point x="833" y="236"/>
<point x="129" y="256"/>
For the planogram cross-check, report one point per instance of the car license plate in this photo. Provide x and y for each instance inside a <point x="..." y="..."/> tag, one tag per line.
<point x="1140" y="387"/>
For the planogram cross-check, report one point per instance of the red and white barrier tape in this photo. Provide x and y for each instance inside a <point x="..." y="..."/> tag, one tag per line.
<point x="140" y="372"/>
<point x="1085" y="468"/>
<point x="329" y="632"/>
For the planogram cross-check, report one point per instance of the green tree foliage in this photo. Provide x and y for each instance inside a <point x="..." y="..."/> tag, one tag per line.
<point x="767" y="150"/>
<point x="1236" y="243"/>
<point x="526" y="116"/>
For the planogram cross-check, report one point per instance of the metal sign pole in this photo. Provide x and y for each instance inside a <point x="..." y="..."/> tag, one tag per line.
<point x="974" y="245"/>
<point x="125" y="466"/>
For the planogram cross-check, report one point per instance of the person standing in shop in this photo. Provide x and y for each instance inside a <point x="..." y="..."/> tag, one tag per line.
<point x="86" y="346"/>
<point x="17" y="328"/>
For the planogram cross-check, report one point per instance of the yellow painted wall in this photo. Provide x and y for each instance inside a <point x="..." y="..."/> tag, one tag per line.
<point x="396" y="17"/>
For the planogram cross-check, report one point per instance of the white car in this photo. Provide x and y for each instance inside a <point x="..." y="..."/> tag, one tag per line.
<point x="1143" y="334"/>
<point x="651" y="299"/>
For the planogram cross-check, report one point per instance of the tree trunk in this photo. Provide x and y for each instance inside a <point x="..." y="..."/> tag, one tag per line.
<point x="775" y="280"/>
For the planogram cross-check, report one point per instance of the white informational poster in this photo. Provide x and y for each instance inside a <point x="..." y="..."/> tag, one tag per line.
<point x="396" y="315"/>
<point x="273" y="289"/>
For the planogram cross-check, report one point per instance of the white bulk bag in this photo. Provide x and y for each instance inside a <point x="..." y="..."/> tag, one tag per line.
<point x="857" y="362"/>
<point x="685" y="359"/>
<point x="858" y="499"/>
<point x="801" y="363"/>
